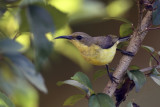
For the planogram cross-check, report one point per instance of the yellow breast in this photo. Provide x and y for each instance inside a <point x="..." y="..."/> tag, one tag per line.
<point x="96" y="55"/>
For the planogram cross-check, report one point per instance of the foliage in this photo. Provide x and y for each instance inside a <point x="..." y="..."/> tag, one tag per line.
<point x="5" y="102"/>
<point x="138" y="78"/>
<point x="155" y="76"/>
<point x="79" y="80"/>
<point x="100" y="100"/>
<point x="40" y="21"/>
<point x="125" y="29"/>
<point x="73" y="99"/>
<point x="99" y="74"/>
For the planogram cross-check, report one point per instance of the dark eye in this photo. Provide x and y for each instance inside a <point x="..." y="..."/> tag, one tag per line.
<point x="79" y="37"/>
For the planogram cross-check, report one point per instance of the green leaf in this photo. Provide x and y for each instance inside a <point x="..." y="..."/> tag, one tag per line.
<point x="24" y="95"/>
<point x="138" y="78"/>
<point x="29" y="2"/>
<point x="150" y="61"/>
<point x="119" y="19"/>
<point x="41" y="23"/>
<point x="23" y="22"/>
<point x="6" y="100"/>
<point x="151" y="50"/>
<point x="155" y="14"/>
<point x="59" y="18"/>
<point x="80" y="80"/>
<point x="85" y="12"/>
<point x="130" y="104"/>
<point x="155" y="76"/>
<point x="125" y="29"/>
<point x="148" y="48"/>
<point x="75" y="84"/>
<point x="22" y="64"/>
<point x="5" y="85"/>
<point x="134" y="67"/>
<point x="9" y="46"/>
<point x="73" y="100"/>
<point x="83" y="79"/>
<point x="122" y="44"/>
<point x="100" y="100"/>
<point x="99" y="74"/>
<point x="40" y="20"/>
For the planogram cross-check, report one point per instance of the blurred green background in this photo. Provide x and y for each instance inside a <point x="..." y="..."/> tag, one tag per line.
<point x="92" y="17"/>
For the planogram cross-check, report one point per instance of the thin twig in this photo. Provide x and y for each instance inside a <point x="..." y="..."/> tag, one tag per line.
<point x="155" y="58"/>
<point x="150" y="68"/>
<point x="16" y="35"/>
<point x="155" y="28"/>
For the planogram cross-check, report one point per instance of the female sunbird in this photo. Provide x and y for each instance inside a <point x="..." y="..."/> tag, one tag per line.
<point x="97" y="50"/>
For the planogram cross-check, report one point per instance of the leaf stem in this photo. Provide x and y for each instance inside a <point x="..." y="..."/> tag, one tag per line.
<point x="155" y="58"/>
<point x="16" y="35"/>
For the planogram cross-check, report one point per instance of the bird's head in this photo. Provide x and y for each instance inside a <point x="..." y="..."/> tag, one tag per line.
<point x="77" y="37"/>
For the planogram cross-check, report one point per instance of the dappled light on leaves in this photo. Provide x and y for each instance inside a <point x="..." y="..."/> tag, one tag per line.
<point x="17" y="88"/>
<point x="90" y="10"/>
<point x="67" y="6"/>
<point x="24" y="95"/>
<point x="24" y="40"/>
<point x="118" y="7"/>
<point x="8" y="24"/>
<point x="5" y="101"/>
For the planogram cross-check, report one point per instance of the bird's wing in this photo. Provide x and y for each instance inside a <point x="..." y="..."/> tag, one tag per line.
<point x="104" y="42"/>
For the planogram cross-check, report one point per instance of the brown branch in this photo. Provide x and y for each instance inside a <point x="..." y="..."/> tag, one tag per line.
<point x="133" y="46"/>
<point x="140" y="15"/>
<point x="155" y="28"/>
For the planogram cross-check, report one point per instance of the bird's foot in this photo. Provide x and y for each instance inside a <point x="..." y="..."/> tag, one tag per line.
<point x="128" y="53"/>
<point x="112" y="78"/>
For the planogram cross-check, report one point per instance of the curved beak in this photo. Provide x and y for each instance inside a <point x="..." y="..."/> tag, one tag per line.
<point x="122" y="39"/>
<point x="64" y="37"/>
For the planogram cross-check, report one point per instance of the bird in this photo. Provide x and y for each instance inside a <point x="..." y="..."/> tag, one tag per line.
<point x="99" y="50"/>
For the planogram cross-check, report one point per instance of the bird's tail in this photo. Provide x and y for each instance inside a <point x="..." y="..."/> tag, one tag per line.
<point x="122" y="39"/>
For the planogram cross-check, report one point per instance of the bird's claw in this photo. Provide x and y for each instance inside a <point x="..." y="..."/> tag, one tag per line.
<point x="113" y="79"/>
<point x="128" y="53"/>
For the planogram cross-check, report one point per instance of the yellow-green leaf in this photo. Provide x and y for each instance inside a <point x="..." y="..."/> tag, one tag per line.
<point x="125" y="29"/>
<point x="73" y="99"/>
